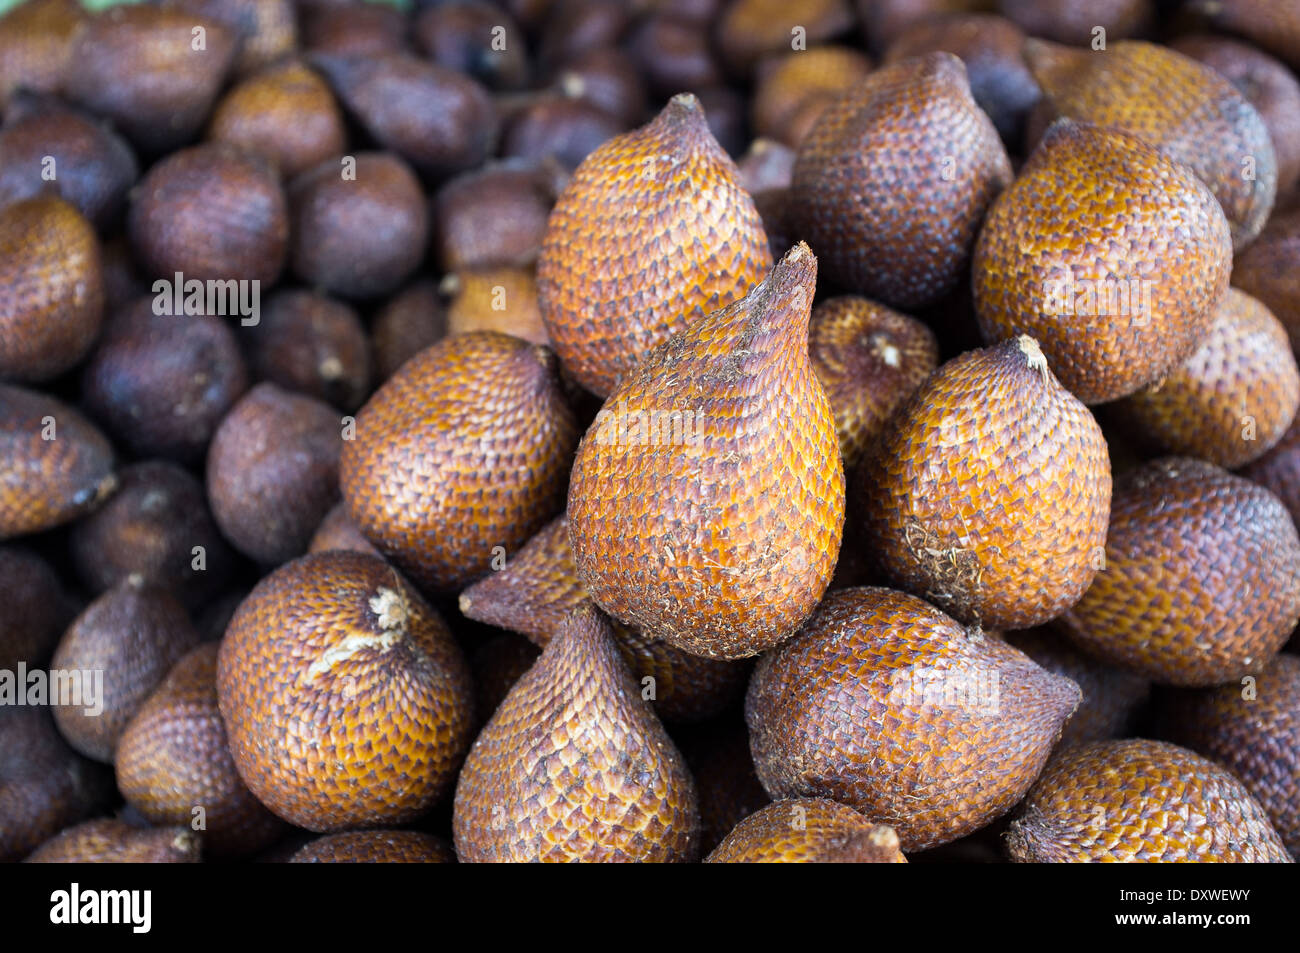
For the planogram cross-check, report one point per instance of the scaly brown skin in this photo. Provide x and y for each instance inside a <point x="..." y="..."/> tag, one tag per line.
<point x="892" y="181"/>
<point x="375" y="847"/>
<point x="495" y="299"/>
<point x="1278" y="471"/>
<point x="1201" y="584"/>
<point x="1118" y="285"/>
<point x="574" y="766"/>
<point x="1251" y="729"/>
<point x="110" y="841"/>
<point x="1271" y="25"/>
<point x="990" y="490"/>
<point x="465" y="449"/>
<point x="887" y="705"/>
<point x="345" y="699"/>
<point x="1270" y="271"/>
<point x="652" y="233"/>
<point x="720" y="539"/>
<point x="797" y="86"/>
<point x="1138" y="800"/>
<point x="1232" y="400"/>
<point x="808" y="831"/>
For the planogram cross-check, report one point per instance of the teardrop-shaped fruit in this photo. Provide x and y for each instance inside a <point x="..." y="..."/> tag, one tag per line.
<point x="870" y="359"/>
<point x="1112" y="256"/>
<point x="345" y="699"/>
<point x="1201" y="584"/>
<point x="574" y="766"/>
<point x="808" y="831"/>
<point x="653" y="232"/>
<point x="707" y="500"/>
<point x="894" y="178"/>
<point x="375" y="847"/>
<point x="173" y="758"/>
<point x="1232" y="400"/>
<point x="466" y="448"/>
<point x="1139" y="800"/>
<point x="1269" y="270"/>
<point x="1183" y="108"/>
<point x="110" y="841"/>
<point x="885" y="704"/>
<point x="495" y="299"/>
<point x="794" y="89"/>
<point x="990" y="489"/>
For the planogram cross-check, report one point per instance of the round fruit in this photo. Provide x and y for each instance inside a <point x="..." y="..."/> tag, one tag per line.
<point x="110" y="841"/>
<point x="375" y="847"/>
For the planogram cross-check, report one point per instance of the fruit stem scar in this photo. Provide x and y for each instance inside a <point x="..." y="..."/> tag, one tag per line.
<point x="391" y="613"/>
<point x="1033" y="354"/>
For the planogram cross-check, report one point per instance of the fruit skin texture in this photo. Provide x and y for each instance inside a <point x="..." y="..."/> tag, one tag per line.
<point x="1069" y="278"/>
<point x="465" y="448"/>
<point x="37" y="608"/>
<point x="1138" y="800"/>
<point x="1068" y="22"/>
<point x="653" y="232"/>
<point x="885" y="704"/>
<point x="1202" y="577"/>
<point x="1278" y="471"/>
<point x="110" y="841"/>
<point x="337" y="531"/>
<point x="989" y="435"/>
<point x="831" y="834"/>
<point x="412" y="320"/>
<point x="346" y="701"/>
<point x="1271" y="25"/>
<point x="173" y="757"/>
<point x="721" y="539"/>
<point x="909" y="129"/>
<point x="1270" y="271"/>
<point x="375" y="847"/>
<point x="797" y="87"/>
<point x="36" y="45"/>
<point x="495" y="299"/>
<point x="573" y="766"/>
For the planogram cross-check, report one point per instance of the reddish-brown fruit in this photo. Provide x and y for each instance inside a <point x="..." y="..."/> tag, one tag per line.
<point x="1271" y="25"/>
<point x="466" y="448"/>
<point x="893" y="180"/>
<point x="989" y="492"/>
<point x="653" y="232"/>
<point x="1066" y="21"/>
<point x="266" y="30"/>
<point x="808" y="831"/>
<point x="574" y="27"/>
<point x="272" y="472"/>
<point x="717" y="753"/>
<point x="310" y="343"/>
<point x="355" y="29"/>
<point x="559" y="128"/>
<point x="1201" y="584"/>
<point x="410" y="321"/>
<point x="52" y="284"/>
<point x="794" y="89"/>
<point x="495" y="216"/>
<point x="1279" y="470"/>
<point x="1181" y="107"/>
<point x="672" y="55"/>
<point x="375" y="847"/>
<point x="766" y="166"/>
<point x="496" y="665"/>
<point x="122" y="645"/>
<point x="707" y="500"/>
<point x="463" y="36"/>
<point x="1140" y="800"/>
<point x="574" y="766"/>
<point x="37" y="610"/>
<point x="886" y="20"/>
<point x="495" y="299"/>
<point x="604" y="78"/>
<point x="36" y="40"/>
<point x="1232" y="400"/>
<point x="111" y="841"/>
<point x="870" y="359"/>
<point x="337" y="531"/>
<point x="885" y="704"/>
<point x="1118" y="284"/>
<point x="54" y="464"/>
<point x="173" y="758"/>
<point x="1270" y="271"/>
<point x="751" y="29"/>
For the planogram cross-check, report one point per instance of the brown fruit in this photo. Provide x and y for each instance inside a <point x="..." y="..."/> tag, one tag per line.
<point x="870" y="359"/>
<point x="793" y="89"/>
<point x="54" y="464"/>
<point x="337" y="531"/>
<point x="808" y="831"/>
<point x="1232" y="400"/>
<point x="360" y="225"/>
<point x="653" y="232"/>
<point x="1181" y="107"/>
<point x="266" y="30"/>
<point x="36" y="40"/>
<point x="410" y="321"/>
<point x="1117" y="285"/>
<point x="495" y="299"/>
<point x="604" y="78"/>
<point x="1269" y="270"/>
<point x="989" y="491"/>
<point x="1271" y="25"/>
<point x="1068" y="22"/>
<point x="466" y="448"/>
<point x="751" y="29"/>
<point x="495" y="216"/>
<point x="573" y="27"/>
<point x="173" y="759"/>
<point x="673" y="54"/>
<point x="766" y="166"/>
<point x="1201" y="583"/>
<point x="496" y="665"/>
<point x="346" y="701"/>
<point x="893" y="180"/>
<point x="122" y="282"/>
<point x="707" y="500"/>
<point x="558" y="128"/>
<point x="1278" y="470"/>
<point x="717" y="754"/>
<point x="887" y="20"/>
<point x="1140" y="800"/>
<point x="37" y="610"/>
<point x="110" y="841"/>
<point x="885" y="704"/>
<point x="355" y="29"/>
<point x="573" y="766"/>
<point x="53" y="288"/>
<point x="131" y="636"/>
<point x="375" y="847"/>
<point x="462" y="36"/>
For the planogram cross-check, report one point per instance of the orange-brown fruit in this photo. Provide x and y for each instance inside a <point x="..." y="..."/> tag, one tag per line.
<point x="653" y="232"/>
<point x="110" y="841"/>
<point x="794" y="89"/>
<point x="375" y="847"/>
<point x="1201" y="584"/>
<point x="131" y="636"/>
<point x="808" y="831"/>
<point x="173" y="758"/>
<point x="466" y="448"/>
<point x="706" y="502"/>
<point x="893" y="180"/>
<point x="496" y="665"/>
<point x="54" y="464"/>
<point x="870" y="359"/>
<point x="989" y="491"/>
<point x="1181" y="107"/>
<point x="410" y="321"/>
<point x="1273" y="25"/>
<point x="1067" y="21"/>
<point x="1269" y="270"/>
<point x="337" y="531"/>
<point x="1138" y="800"/>
<point x="574" y="766"/>
<point x="1279" y="470"/>
<point x="885" y="704"/>
<point x="53" y="288"/>
<point x="346" y="701"/>
<point x="463" y="36"/>
<point x="494" y="299"/>
<point x="717" y="753"/>
<point x="750" y="29"/>
<point x="1112" y="256"/>
<point x="1232" y="400"/>
<point x="266" y="30"/>
<point x="496" y="215"/>
<point x="37" y="609"/>
<point x="36" y="40"/>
